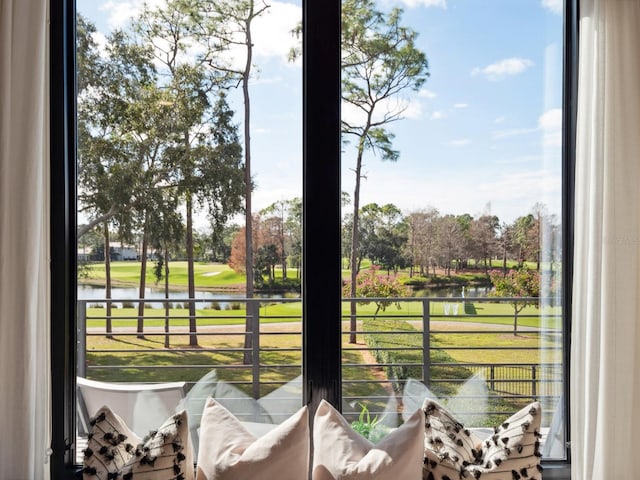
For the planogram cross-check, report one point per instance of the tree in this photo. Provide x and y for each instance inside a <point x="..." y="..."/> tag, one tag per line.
<point x="517" y="283"/>
<point x="293" y="229"/>
<point x="166" y="230"/>
<point x="524" y="238"/>
<point x="109" y="161"/>
<point x="267" y="257"/>
<point x="371" y="284"/>
<point x="232" y="30"/>
<point x="421" y="243"/>
<point x="379" y="62"/>
<point x="274" y="226"/>
<point x="383" y="232"/>
<point x="204" y="156"/>
<point x="449" y="242"/>
<point x="482" y="233"/>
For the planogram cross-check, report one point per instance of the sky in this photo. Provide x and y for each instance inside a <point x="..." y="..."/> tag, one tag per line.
<point x="483" y="134"/>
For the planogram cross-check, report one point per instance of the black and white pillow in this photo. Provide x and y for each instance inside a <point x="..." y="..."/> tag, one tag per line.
<point x="449" y="447"/>
<point x="115" y="452"/>
<point x="453" y="451"/>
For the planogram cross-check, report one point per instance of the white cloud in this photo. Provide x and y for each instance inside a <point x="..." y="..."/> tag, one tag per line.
<point x="120" y="12"/>
<point x="271" y="31"/>
<point x="437" y="115"/>
<point x="406" y="108"/>
<point x="551" y="119"/>
<point x="426" y="93"/>
<point x="522" y="185"/>
<point x="503" y="68"/>
<point x="460" y="142"/>
<point x="550" y="122"/>
<point x="413" y="111"/>
<point x="101" y="42"/>
<point x="549" y="125"/>
<point x="499" y="119"/>
<point x="556" y="6"/>
<point x="425" y="3"/>
<point x="461" y="105"/>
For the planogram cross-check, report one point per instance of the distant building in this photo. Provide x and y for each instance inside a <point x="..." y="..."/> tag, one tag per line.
<point x="123" y="253"/>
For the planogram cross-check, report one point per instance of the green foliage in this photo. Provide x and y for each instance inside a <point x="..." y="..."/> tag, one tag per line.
<point x="520" y="282"/>
<point x="370" y="284"/>
<point x="517" y="283"/>
<point x="394" y="350"/>
<point x="369" y="428"/>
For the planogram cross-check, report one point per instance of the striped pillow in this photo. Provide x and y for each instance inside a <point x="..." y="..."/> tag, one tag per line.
<point x="452" y="451"/>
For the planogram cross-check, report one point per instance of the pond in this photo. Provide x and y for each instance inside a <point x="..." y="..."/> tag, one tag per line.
<point x="91" y="292"/>
<point x="447" y="292"/>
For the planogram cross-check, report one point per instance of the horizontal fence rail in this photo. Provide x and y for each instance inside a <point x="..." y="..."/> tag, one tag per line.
<point x="474" y="351"/>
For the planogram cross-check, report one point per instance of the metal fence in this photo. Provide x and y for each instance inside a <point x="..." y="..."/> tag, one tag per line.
<point x="255" y="345"/>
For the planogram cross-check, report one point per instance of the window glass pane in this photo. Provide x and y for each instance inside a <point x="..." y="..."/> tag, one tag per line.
<point x="452" y="173"/>
<point x="167" y="316"/>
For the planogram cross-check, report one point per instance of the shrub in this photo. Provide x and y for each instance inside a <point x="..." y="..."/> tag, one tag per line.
<point x="128" y="305"/>
<point x="215" y="306"/>
<point x="392" y="349"/>
<point x="372" y="285"/>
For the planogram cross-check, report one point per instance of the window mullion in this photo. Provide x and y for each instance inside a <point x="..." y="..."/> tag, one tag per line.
<point x="321" y="279"/>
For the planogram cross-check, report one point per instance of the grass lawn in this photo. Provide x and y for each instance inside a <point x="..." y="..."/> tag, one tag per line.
<point x="129" y="359"/>
<point x="274" y="311"/>
<point x="154" y="317"/>
<point x="208" y="276"/>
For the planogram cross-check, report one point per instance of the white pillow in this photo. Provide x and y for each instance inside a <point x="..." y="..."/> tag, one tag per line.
<point x="228" y="451"/>
<point x="340" y="453"/>
<point x="114" y="451"/>
<point x="452" y="451"/>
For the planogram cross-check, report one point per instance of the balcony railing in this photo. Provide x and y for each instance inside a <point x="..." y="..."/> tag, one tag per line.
<point x="254" y="345"/>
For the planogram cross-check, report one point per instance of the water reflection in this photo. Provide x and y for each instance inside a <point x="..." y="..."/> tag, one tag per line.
<point x="90" y="292"/>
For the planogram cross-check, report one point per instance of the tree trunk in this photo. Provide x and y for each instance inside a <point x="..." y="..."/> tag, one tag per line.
<point x="166" y="296"/>
<point x="107" y="278"/>
<point x="193" y="339"/>
<point x="247" y="181"/>
<point x="355" y="238"/>
<point x="143" y="280"/>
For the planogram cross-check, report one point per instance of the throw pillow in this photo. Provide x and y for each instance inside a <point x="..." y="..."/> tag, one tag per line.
<point x="341" y="453"/>
<point x="453" y="451"/>
<point x="114" y="452"/>
<point x="449" y="447"/>
<point x="228" y="451"/>
<point x="111" y="445"/>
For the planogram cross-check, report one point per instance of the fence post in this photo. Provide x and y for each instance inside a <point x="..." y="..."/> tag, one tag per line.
<point x="492" y="377"/>
<point x="253" y="310"/>
<point x="82" y="339"/>
<point x="534" y="389"/>
<point x="426" y="342"/>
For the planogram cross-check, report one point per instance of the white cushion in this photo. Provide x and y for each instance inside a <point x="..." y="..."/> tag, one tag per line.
<point x="114" y="449"/>
<point x="342" y="453"/>
<point x="228" y="451"/>
<point x="452" y="451"/>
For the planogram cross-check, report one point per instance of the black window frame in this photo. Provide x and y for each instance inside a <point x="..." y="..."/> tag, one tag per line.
<point x="321" y="202"/>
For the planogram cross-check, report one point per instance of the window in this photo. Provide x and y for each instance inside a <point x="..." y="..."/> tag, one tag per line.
<point x="452" y="164"/>
<point x="322" y="250"/>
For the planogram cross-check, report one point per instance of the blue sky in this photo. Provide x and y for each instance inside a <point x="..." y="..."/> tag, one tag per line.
<point x="484" y="129"/>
